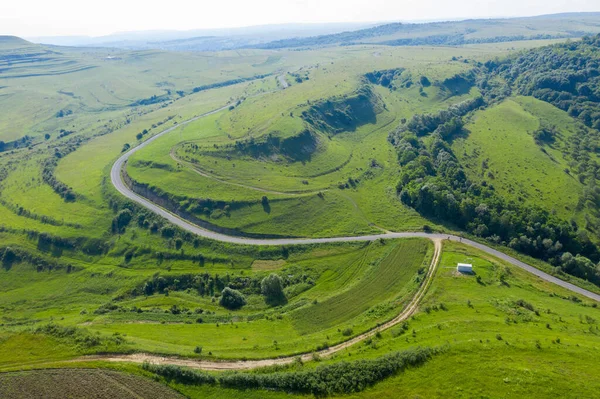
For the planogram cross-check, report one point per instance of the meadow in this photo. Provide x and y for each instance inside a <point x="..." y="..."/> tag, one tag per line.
<point x="321" y="281"/>
<point x="507" y="333"/>
<point x="512" y="161"/>
<point x="83" y="271"/>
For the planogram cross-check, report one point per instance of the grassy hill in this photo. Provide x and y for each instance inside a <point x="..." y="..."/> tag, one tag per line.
<point x="495" y="140"/>
<point x="454" y="33"/>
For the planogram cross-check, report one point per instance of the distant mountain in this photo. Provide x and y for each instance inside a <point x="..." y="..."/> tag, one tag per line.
<point x="202" y="39"/>
<point x="455" y="32"/>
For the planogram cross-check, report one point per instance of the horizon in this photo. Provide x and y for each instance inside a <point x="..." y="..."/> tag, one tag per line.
<point x="287" y="24"/>
<point x="68" y="18"/>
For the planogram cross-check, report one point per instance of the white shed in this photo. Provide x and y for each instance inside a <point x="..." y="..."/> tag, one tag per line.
<point x="464" y="268"/>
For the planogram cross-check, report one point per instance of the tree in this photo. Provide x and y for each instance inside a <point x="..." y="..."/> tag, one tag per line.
<point x="167" y="232"/>
<point x="8" y="257"/>
<point x="139" y="136"/>
<point x="2" y="145"/>
<point x="272" y="288"/>
<point x="232" y="299"/>
<point x="47" y="136"/>
<point x="178" y="243"/>
<point x="122" y="220"/>
<point x="265" y="204"/>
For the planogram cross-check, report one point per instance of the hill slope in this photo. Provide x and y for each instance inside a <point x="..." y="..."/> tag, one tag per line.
<point x="456" y="33"/>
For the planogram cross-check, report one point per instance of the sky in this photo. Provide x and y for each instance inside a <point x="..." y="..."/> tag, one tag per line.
<point x="31" y="18"/>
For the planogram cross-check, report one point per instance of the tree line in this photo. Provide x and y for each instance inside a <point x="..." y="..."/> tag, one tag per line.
<point x="337" y="378"/>
<point x="433" y="181"/>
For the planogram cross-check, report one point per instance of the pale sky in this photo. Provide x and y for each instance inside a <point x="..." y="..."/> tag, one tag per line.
<point x="95" y="18"/>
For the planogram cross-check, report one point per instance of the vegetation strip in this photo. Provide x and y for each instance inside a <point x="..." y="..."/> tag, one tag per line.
<point x="340" y="377"/>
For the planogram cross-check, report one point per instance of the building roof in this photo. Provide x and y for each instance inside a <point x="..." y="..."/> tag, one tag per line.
<point x="465" y="265"/>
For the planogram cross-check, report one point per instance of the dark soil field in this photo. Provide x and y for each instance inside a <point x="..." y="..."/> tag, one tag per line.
<point x="80" y="383"/>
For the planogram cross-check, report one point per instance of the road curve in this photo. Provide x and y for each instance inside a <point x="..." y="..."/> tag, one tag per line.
<point x="119" y="184"/>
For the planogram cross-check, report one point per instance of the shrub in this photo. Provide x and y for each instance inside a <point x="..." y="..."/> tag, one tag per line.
<point x="183" y="375"/>
<point x="232" y="299"/>
<point x="336" y="378"/>
<point x="272" y="288"/>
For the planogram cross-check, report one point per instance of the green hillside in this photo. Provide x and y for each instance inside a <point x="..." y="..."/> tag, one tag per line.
<point x="482" y="130"/>
<point x="472" y="31"/>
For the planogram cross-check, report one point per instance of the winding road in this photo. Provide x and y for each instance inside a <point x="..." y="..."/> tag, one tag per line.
<point x="120" y="185"/>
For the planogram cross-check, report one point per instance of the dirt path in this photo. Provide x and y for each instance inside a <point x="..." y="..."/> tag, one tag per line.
<point x="221" y="180"/>
<point x="408" y="311"/>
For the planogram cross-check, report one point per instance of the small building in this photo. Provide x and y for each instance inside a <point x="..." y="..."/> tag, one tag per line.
<point x="464" y="268"/>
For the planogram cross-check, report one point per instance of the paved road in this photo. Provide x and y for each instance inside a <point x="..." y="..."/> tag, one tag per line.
<point x="117" y="181"/>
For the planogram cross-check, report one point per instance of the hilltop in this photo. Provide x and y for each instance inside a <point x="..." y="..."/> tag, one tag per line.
<point x="9" y="42"/>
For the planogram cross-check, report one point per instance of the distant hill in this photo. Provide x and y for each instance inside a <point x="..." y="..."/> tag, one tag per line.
<point x="452" y="33"/>
<point x="8" y="42"/>
<point x="203" y="39"/>
<point x="456" y="32"/>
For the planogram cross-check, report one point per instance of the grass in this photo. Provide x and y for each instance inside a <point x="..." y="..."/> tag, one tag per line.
<point x="474" y="314"/>
<point x="295" y="208"/>
<point x="31" y="298"/>
<point x="518" y="352"/>
<point x="389" y="276"/>
<point x="343" y="286"/>
<point x="500" y="149"/>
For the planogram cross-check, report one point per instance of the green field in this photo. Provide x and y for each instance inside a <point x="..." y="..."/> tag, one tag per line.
<point x="371" y="135"/>
<point x="501" y="138"/>
<point x="321" y="282"/>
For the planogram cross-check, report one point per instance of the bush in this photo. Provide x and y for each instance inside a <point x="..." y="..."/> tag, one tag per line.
<point x="336" y="378"/>
<point x="272" y="288"/>
<point x="182" y="375"/>
<point x="121" y="220"/>
<point x="232" y="299"/>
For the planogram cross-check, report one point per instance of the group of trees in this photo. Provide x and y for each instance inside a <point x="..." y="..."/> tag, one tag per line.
<point x="384" y="77"/>
<point x="121" y="220"/>
<point x="141" y="134"/>
<point x="232" y="289"/>
<point x="59" y="187"/>
<point x="566" y="75"/>
<point x="445" y="123"/>
<point x="336" y="378"/>
<point x="232" y="299"/>
<point x="12" y="255"/>
<point x="433" y="181"/>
